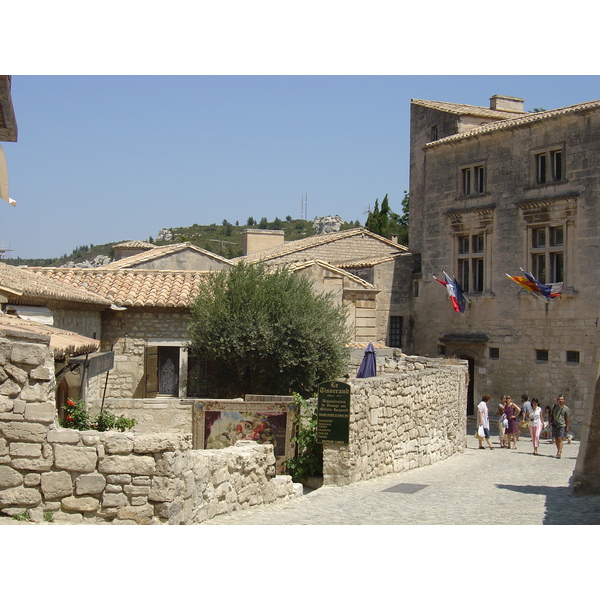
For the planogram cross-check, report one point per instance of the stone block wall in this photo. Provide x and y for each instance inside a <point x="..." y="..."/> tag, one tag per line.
<point x="411" y="415"/>
<point x="87" y="476"/>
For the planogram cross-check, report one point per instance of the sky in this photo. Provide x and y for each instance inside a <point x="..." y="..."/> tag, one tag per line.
<point x="134" y="116"/>
<point x="133" y="120"/>
<point x="103" y="158"/>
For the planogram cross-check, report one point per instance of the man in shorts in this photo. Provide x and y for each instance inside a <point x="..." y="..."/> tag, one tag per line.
<point x="560" y="416"/>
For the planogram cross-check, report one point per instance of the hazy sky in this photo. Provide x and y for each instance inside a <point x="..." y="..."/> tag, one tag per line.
<point x="132" y="120"/>
<point x="108" y="158"/>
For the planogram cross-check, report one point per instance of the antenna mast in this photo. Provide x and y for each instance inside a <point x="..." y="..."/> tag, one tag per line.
<point x="303" y="207"/>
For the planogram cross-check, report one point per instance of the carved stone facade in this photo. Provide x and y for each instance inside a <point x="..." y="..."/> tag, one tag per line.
<point x="488" y="199"/>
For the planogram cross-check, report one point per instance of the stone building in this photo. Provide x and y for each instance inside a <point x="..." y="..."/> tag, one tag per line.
<point x="380" y="315"/>
<point x="494" y="190"/>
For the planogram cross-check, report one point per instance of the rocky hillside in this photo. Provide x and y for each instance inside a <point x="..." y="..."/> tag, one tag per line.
<point x="224" y="239"/>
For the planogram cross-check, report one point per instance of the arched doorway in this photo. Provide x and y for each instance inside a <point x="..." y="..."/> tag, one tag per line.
<point x="470" y="385"/>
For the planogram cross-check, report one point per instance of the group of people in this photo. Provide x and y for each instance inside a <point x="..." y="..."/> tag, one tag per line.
<point x="533" y="418"/>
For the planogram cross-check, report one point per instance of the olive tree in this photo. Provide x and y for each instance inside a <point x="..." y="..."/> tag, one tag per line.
<point x="267" y="332"/>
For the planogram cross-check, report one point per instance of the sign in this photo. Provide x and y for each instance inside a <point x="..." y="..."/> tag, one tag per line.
<point x="219" y="424"/>
<point x="333" y="413"/>
<point x="96" y="363"/>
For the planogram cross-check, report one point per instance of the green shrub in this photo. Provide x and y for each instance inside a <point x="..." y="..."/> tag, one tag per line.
<point x="77" y="417"/>
<point x="308" y="460"/>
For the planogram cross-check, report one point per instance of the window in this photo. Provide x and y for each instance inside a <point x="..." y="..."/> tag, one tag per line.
<point x="494" y="353"/>
<point x="434" y="133"/>
<point x="547" y="254"/>
<point x="549" y="166"/>
<point x="471" y="262"/>
<point x="473" y="180"/>
<point x="395" y="333"/>
<point x="442" y="350"/>
<point x="572" y="356"/>
<point x="541" y="355"/>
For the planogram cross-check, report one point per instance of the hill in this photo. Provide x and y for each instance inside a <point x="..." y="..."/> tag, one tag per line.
<point x="224" y="239"/>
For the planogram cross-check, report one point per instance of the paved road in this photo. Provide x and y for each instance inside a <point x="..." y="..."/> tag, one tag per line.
<point x="475" y="487"/>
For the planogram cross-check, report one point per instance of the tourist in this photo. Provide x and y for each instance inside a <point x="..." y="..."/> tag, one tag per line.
<point x="502" y="423"/>
<point x="512" y="411"/>
<point x="547" y="431"/>
<point x="483" y="420"/>
<point x="560" y="417"/>
<point x="536" y="424"/>
<point x="525" y="414"/>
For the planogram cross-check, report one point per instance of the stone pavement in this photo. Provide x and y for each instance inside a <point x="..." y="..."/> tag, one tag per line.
<point x="475" y="487"/>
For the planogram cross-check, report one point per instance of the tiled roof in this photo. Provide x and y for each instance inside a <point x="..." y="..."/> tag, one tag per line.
<point x="160" y="252"/>
<point x="62" y="343"/>
<point x="305" y="265"/>
<point x="25" y="282"/>
<point x="134" y="245"/>
<point x="466" y="109"/>
<point x="370" y="262"/>
<point x="315" y="241"/>
<point x="132" y="287"/>
<point x="514" y="122"/>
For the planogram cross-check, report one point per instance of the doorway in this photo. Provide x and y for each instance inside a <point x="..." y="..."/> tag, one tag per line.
<point x="470" y="385"/>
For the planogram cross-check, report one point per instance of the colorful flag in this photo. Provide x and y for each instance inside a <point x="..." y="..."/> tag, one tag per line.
<point x="459" y="302"/>
<point x="531" y="284"/>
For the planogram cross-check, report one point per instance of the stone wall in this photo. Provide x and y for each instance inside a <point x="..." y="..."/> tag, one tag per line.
<point x="411" y="415"/>
<point x="74" y="476"/>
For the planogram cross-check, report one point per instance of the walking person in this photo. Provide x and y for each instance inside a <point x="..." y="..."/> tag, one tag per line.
<point x="536" y="423"/>
<point x="512" y="412"/>
<point x="560" y="417"/>
<point x="483" y="420"/>
<point x="525" y="414"/>
<point x="502" y="423"/>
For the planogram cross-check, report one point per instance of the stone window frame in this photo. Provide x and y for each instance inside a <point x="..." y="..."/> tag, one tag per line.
<point x="473" y="223"/>
<point x="472" y="179"/>
<point x="543" y="164"/>
<point x="494" y="353"/>
<point x="551" y="212"/>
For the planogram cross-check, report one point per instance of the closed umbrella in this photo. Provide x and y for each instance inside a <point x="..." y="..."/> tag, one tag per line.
<point x="368" y="366"/>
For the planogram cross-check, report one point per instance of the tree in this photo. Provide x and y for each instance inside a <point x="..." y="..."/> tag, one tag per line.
<point x="386" y="222"/>
<point x="267" y="332"/>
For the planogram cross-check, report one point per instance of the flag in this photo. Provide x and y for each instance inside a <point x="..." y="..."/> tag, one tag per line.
<point x="531" y="284"/>
<point x="459" y="302"/>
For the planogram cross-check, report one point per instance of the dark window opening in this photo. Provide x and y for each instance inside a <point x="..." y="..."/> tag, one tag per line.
<point x="395" y="332"/>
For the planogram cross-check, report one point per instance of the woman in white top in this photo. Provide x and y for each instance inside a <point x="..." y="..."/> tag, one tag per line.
<point x="536" y="423"/>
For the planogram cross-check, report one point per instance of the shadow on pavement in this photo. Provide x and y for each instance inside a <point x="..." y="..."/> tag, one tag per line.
<point x="562" y="507"/>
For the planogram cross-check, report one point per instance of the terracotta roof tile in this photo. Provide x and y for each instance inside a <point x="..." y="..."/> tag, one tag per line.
<point x="159" y="252"/>
<point x="514" y="122"/>
<point x="315" y="241"/>
<point x="466" y="109"/>
<point x="26" y="282"/>
<point x="132" y="287"/>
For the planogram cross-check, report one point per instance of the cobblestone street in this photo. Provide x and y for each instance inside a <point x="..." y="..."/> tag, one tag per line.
<point x="476" y="487"/>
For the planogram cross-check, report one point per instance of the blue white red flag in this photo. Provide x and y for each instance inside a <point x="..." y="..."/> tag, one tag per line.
<point x="455" y="293"/>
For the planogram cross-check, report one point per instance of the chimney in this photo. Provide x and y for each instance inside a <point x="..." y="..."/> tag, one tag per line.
<point x="257" y="240"/>
<point x="507" y="104"/>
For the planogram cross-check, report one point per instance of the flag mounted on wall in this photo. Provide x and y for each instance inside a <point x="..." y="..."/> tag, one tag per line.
<point x="459" y="302"/>
<point x="531" y="284"/>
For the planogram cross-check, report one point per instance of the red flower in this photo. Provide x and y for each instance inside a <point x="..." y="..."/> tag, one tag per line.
<point x="69" y="417"/>
<point x="70" y="402"/>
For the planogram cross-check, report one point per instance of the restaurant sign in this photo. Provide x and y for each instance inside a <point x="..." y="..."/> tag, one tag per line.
<point x="333" y="413"/>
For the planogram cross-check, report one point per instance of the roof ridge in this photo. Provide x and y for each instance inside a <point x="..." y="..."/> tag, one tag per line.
<point x="525" y="119"/>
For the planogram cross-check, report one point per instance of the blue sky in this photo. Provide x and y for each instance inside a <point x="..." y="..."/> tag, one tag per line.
<point x="108" y="158"/>
<point x="137" y="116"/>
